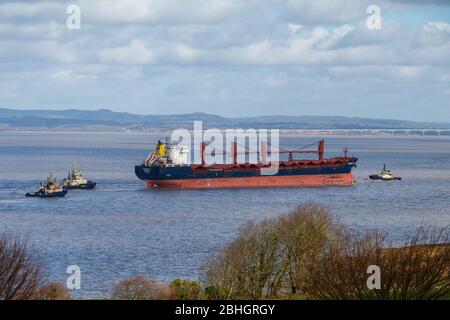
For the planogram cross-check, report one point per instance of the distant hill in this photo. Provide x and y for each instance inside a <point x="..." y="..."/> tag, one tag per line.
<point x="109" y="120"/>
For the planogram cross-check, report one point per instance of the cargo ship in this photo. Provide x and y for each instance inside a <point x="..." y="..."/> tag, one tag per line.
<point x="168" y="167"/>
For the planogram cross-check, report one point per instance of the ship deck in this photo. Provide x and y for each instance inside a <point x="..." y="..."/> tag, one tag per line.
<point x="293" y="164"/>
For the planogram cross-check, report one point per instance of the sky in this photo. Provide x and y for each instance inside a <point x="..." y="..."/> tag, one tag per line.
<point x="229" y="57"/>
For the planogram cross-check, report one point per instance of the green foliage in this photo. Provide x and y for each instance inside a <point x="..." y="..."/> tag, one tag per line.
<point x="418" y="270"/>
<point x="306" y="253"/>
<point x="269" y="256"/>
<point x="53" y="291"/>
<point x="186" y="289"/>
<point x="140" y="288"/>
<point x="21" y="270"/>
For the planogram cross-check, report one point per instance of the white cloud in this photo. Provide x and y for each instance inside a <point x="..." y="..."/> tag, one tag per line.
<point x="71" y="75"/>
<point x="185" y="53"/>
<point x="50" y="30"/>
<point x="440" y="26"/>
<point x="326" y="11"/>
<point x="316" y="47"/>
<point x="229" y="50"/>
<point x="31" y="9"/>
<point x="37" y="51"/>
<point x="134" y="53"/>
<point x="157" y="11"/>
<point x="337" y="35"/>
<point x="294" y="27"/>
<point x="63" y="74"/>
<point x="277" y="81"/>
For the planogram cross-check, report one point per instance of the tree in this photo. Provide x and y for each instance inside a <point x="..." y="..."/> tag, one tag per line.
<point x="21" y="271"/>
<point x="248" y="267"/>
<point x="186" y="289"/>
<point x="53" y="291"/>
<point x="268" y="254"/>
<point x="304" y="233"/>
<point x="140" y="288"/>
<point x="419" y="269"/>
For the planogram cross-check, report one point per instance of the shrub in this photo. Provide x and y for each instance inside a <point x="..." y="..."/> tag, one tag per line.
<point x="308" y="252"/>
<point x="269" y="254"/>
<point x="186" y="289"/>
<point x="140" y="288"/>
<point x="53" y="291"/>
<point x="21" y="271"/>
<point x="417" y="270"/>
<point x="219" y="276"/>
<point x="304" y="234"/>
<point x="249" y="267"/>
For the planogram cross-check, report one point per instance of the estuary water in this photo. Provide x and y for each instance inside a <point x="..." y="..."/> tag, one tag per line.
<point x="121" y="229"/>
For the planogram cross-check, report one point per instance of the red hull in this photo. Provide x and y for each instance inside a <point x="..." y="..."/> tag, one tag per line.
<point x="343" y="179"/>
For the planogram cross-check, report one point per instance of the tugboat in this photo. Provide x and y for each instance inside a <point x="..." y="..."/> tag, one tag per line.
<point x="75" y="180"/>
<point x="385" y="175"/>
<point x="51" y="188"/>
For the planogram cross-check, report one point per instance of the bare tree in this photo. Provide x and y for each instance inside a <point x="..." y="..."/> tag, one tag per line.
<point x="258" y="262"/>
<point x="304" y="234"/>
<point x="140" y="288"/>
<point x="247" y="267"/>
<point x="53" y="291"/>
<point x="307" y="251"/>
<point x="268" y="254"/>
<point x="417" y="270"/>
<point x="219" y="275"/>
<point x="21" y="271"/>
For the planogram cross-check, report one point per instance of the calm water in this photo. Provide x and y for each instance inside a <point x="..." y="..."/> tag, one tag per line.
<point x="121" y="229"/>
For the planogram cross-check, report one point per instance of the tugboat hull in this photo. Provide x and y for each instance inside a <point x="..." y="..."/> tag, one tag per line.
<point x="47" y="195"/>
<point x="377" y="177"/>
<point x="84" y="186"/>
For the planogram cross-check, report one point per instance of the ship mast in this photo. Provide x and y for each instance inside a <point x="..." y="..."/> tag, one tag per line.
<point x="262" y="156"/>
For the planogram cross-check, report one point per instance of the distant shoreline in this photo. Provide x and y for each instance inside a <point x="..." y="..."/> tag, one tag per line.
<point x="283" y="132"/>
<point x="105" y="120"/>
